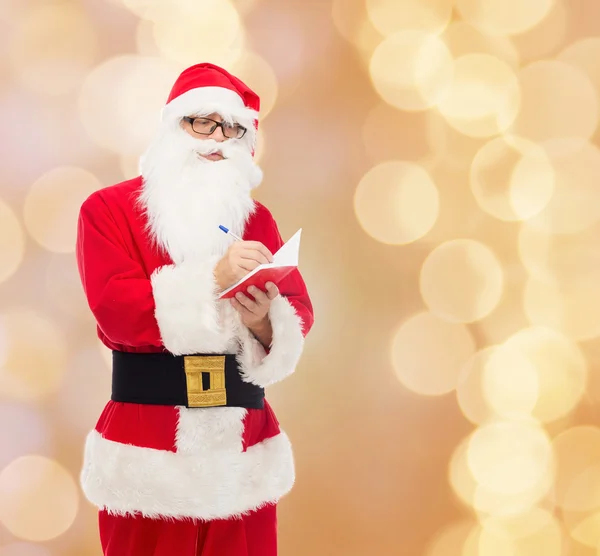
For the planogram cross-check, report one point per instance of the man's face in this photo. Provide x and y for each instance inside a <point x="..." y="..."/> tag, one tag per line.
<point x="201" y="127"/>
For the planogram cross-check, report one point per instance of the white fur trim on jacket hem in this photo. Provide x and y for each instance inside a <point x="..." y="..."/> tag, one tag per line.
<point x="125" y="479"/>
<point x="264" y="369"/>
<point x="187" y="310"/>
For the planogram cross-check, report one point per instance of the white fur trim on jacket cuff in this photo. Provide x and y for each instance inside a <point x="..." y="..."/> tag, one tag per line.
<point x="186" y="308"/>
<point x="215" y="484"/>
<point x="264" y="369"/>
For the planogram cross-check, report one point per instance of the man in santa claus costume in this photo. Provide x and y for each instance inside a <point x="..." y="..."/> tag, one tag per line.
<point x="187" y="457"/>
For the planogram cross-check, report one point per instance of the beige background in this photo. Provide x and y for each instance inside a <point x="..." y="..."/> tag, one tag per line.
<point x="442" y="157"/>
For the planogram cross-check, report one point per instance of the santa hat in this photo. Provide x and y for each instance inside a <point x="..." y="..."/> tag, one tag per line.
<point x="205" y="88"/>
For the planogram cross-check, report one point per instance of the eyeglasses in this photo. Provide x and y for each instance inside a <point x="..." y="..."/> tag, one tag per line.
<point x="206" y="126"/>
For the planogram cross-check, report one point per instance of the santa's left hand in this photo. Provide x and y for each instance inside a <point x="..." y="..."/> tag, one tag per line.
<point x="255" y="313"/>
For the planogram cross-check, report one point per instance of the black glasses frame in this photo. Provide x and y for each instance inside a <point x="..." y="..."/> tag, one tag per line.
<point x="215" y="126"/>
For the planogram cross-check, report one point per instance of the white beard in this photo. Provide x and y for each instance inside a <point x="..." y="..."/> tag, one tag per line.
<point x="187" y="197"/>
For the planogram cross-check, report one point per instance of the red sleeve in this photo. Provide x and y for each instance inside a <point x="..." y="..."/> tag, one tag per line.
<point x="117" y="289"/>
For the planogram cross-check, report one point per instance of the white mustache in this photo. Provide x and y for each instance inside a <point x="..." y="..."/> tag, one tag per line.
<point x="228" y="149"/>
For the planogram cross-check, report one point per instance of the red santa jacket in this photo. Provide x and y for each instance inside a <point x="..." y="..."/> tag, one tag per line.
<point x="163" y="461"/>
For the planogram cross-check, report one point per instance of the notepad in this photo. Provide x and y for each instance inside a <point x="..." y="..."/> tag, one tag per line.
<point x="284" y="262"/>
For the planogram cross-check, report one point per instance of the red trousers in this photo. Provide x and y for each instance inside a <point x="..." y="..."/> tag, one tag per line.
<point x="252" y="535"/>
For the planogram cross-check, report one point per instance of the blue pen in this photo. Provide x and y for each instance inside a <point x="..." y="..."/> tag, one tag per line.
<point x="228" y="231"/>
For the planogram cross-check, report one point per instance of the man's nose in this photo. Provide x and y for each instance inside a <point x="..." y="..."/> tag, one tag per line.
<point x="217" y="135"/>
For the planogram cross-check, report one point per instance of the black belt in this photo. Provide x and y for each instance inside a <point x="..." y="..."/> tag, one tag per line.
<point x="188" y="380"/>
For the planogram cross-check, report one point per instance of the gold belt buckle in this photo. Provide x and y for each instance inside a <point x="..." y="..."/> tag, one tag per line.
<point x="194" y="366"/>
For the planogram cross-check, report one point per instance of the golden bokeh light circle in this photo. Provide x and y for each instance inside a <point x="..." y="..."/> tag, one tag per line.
<point x="449" y="541"/>
<point x="584" y="527"/>
<point x="256" y="72"/>
<point x="512" y="179"/>
<point x="570" y="307"/>
<point x="125" y="119"/>
<point x="509" y="457"/>
<point x="396" y="202"/>
<point x="411" y="70"/>
<point x="577" y="484"/>
<point x="35" y="355"/>
<point x="486" y="500"/>
<point x="12" y="242"/>
<point x="569" y="114"/>
<point x="504" y="17"/>
<point x="38" y="498"/>
<point x="461" y="280"/>
<point x="462" y="39"/>
<point x="469" y="389"/>
<point x="483" y="98"/>
<point x="54" y="48"/>
<point x="573" y="207"/>
<point x="534" y="247"/>
<point x="510" y="384"/>
<point x="52" y="206"/>
<point x="584" y="54"/>
<point x="207" y="30"/>
<point x="391" y="16"/>
<point x="428" y="354"/>
<point x="534" y="532"/>
<point x="561" y="369"/>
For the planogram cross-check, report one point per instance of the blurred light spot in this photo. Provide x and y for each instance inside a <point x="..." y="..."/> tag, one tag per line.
<point x="154" y="9"/>
<point x="384" y="141"/>
<point x="542" y="40"/>
<point x="574" y="204"/>
<point x="38" y="498"/>
<point x="584" y="527"/>
<point x="261" y="147"/>
<point x="512" y="180"/>
<point x="396" y="202"/>
<point x="584" y="55"/>
<point x="483" y="98"/>
<point x="87" y="373"/>
<point x="428" y="354"/>
<point x="561" y="369"/>
<point x="504" y="17"/>
<point x="534" y="249"/>
<point x="348" y="17"/>
<point x="52" y="207"/>
<point x="63" y="286"/>
<point x="31" y="432"/>
<point x="571" y="308"/>
<point x="36" y="355"/>
<point x="207" y="30"/>
<point x="462" y="39"/>
<point x="461" y="281"/>
<point x="411" y="70"/>
<point x="562" y="291"/>
<point x="391" y="16"/>
<point x="124" y="119"/>
<point x="259" y="76"/>
<point x="503" y="370"/>
<point x="486" y="499"/>
<point x="12" y="242"/>
<point x="577" y="486"/>
<point x="569" y="113"/>
<point x="533" y="533"/>
<point x="452" y="150"/>
<point x="449" y="541"/>
<point x="509" y="457"/>
<point x="54" y="48"/>
<point x="469" y="389"/>
<point x="24" y="549"/>
<point x="461" y="479"/>
<point x="144" y="39"/>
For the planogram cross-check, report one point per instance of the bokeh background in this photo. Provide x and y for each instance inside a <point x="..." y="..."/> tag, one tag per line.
<point x="443" y="159"/>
